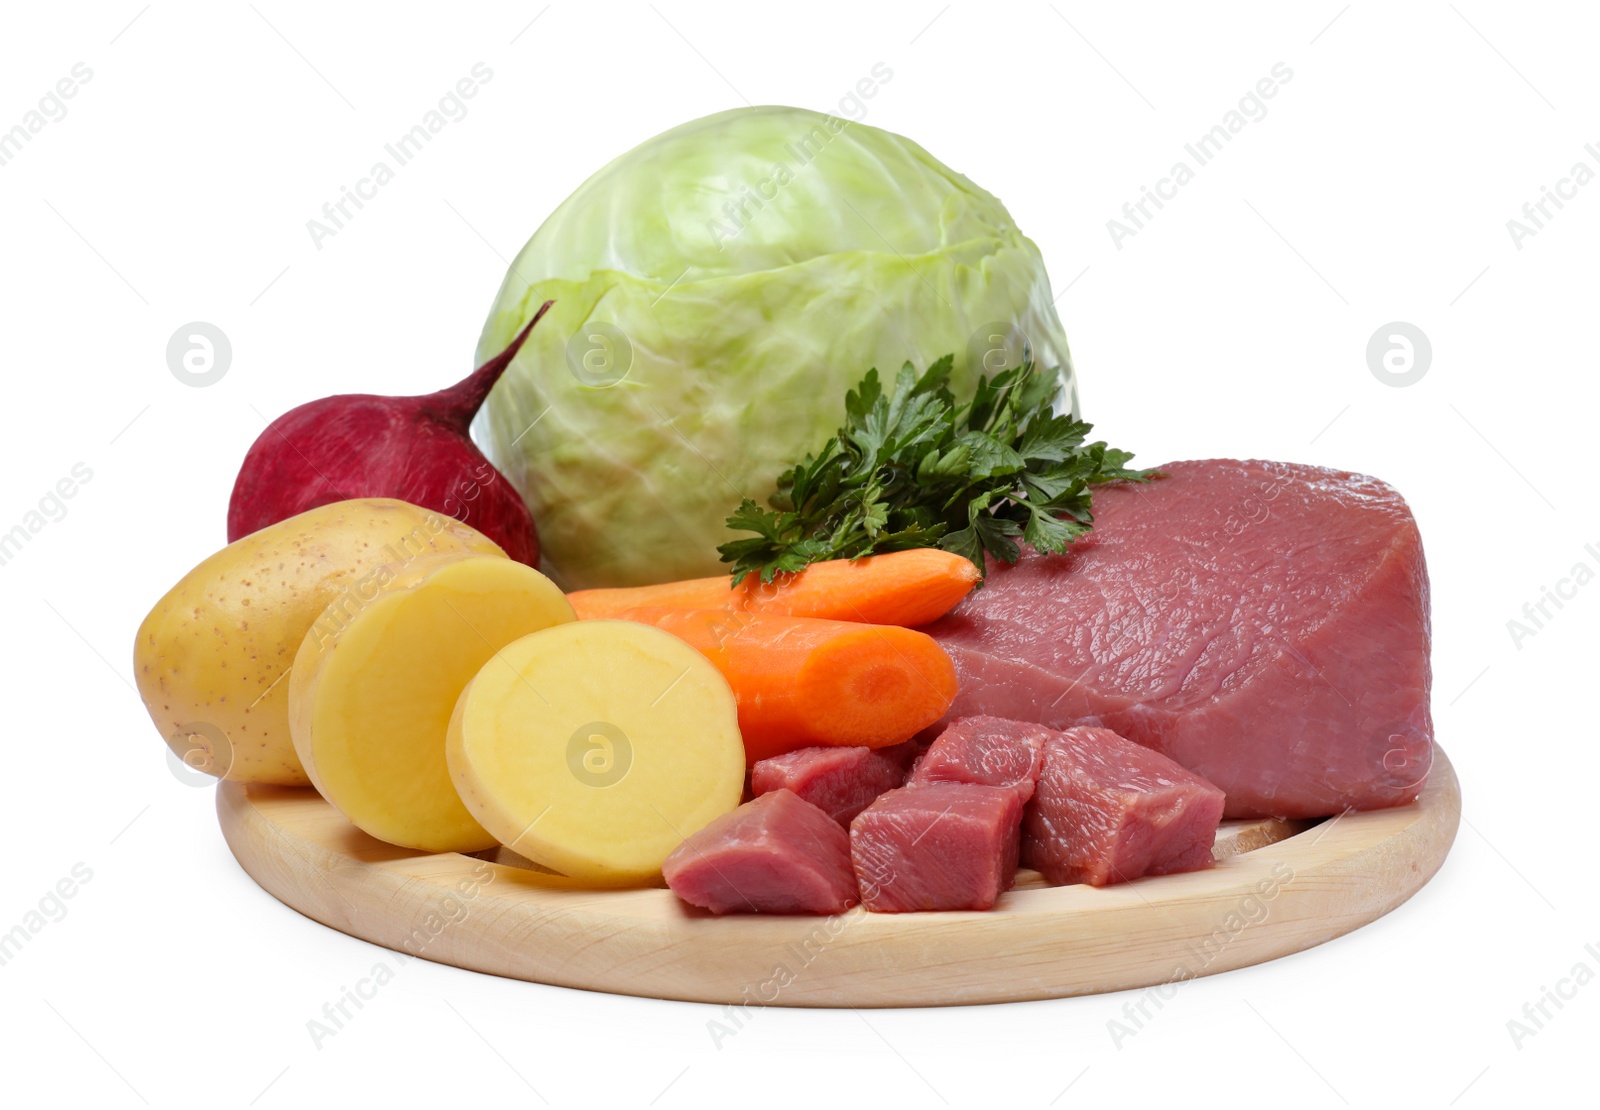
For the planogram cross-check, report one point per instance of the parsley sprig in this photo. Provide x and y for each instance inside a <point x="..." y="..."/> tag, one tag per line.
<point x="913" y="468"/>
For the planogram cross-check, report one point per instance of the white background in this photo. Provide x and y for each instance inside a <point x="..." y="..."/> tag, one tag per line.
<point x="1378" y="188"/>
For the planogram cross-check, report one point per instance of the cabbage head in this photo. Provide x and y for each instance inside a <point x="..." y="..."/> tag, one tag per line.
<point x="717" y="291"/>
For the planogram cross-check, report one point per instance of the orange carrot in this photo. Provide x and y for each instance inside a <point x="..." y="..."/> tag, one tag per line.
<point x="693" y="593"/>
<point x="801" y="681"/>
<point x="908" y="588"/>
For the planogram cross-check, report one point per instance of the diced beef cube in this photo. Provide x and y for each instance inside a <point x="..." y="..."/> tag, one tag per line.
<point x="943" y="846"/>
<point x="985" y="751"/>
<point x="841" y="781"/>
<point x="1107" y="810"/>
<point x="777" y="854"/>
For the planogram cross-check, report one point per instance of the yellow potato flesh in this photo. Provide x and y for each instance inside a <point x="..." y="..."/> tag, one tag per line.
<point x="212" y="658"/>
<point x="595" y="748"/>
<point x="372" y="692"/>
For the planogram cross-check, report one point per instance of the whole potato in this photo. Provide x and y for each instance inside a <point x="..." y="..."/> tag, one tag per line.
<point x="212" y="656"/>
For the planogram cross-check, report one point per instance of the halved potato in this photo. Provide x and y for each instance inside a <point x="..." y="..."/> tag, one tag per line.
<point x="595" y="748"/>
<point x="212" y="658"/>
<point x="373" y="689"/>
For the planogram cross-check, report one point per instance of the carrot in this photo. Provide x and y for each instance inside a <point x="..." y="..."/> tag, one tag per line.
<point x="907" y="588"/>
<point x="803" y="681"/>
<point x="693" y="593"/>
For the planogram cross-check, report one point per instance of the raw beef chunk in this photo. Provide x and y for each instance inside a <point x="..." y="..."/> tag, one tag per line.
<point x="841" y="781"/>
<point x="985" y="751"/>
<point x="1107" y="810"/>
<point x="777" y="854"/>
<point x="1264" y="624"/>
<point x="944" y="846"/>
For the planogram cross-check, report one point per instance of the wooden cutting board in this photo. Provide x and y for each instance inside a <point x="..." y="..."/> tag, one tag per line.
<point x="1278" y="887"/>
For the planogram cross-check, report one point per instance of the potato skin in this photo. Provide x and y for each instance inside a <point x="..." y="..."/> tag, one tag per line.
<point x="211" y="658"/>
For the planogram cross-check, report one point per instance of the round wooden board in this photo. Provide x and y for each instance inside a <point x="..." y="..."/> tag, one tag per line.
<point x="1278" y="887"/>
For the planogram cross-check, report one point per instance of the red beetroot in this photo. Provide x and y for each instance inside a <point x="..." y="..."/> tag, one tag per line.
<point x="416" y="449"/>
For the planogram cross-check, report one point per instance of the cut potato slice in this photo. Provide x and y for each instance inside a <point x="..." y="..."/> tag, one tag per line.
<point x="596" y="748"/>
<point x="372" y="691"/>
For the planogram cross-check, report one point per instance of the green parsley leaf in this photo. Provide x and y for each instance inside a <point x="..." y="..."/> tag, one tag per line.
<point x="912" y="467"/>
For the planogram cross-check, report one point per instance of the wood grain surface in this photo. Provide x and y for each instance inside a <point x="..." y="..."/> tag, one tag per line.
<point x="1278" y="887"/>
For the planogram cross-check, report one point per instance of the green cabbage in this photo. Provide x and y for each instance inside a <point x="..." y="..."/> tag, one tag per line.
<point x="717" y="290"/>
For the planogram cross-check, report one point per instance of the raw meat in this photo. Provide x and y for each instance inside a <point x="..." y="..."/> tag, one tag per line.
<point x="1107" y="810"/>
<point x="841" y="781"/>
<point x="985" y="751"/>
<point x="777" y="854"/>
<point x="944" y="846"/>
<point x="1263" y="624"/>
